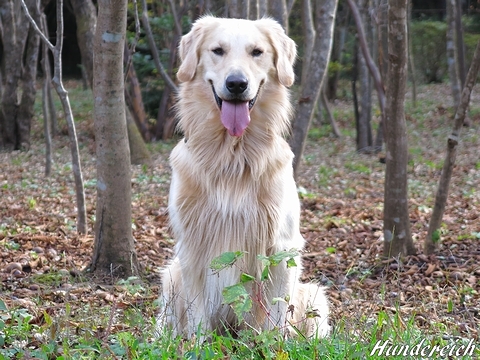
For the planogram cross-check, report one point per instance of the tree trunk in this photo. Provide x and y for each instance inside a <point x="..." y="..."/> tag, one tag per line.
<point x="164" y="128"/>
<point x="433" y="237"/>
<point x="47" y="73"/>
<point x="114" y="252"/>
<point x="46" y="112"/>
<point x="263" y="8"/>
<point x="86" y="19"/>
<point x="325" y="19"/>
<point x="139" y="153"/>
<point x="364" y="133"/>
<point x="278" y="11"/>
<point x="308" y="37"/>
<point x="239" y="9"/>
<point x="29" y="90"/>
<point x="233" y="10"/>
<point x="411" y="58"/>
<point x="382" y="31"/>
<point x="133" y="97"/>
<point x="451" y="58"/>
<point x="331" y="119"/>
<point x="12" y="18"/>
<point x="397" y="236"/>
<point x="254" y="10"/>
<point x="373" y="70"/>
<point x="460" y="44"/>
<point x="337" y="52"/>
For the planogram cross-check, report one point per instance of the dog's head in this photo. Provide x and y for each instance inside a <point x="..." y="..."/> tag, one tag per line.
<point x="236" y="58"/>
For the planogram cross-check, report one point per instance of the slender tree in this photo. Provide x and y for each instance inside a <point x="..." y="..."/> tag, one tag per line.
<point x="341" y="25"/>
<point x="47" y="115"/>
<point x="279" y="11"/>
<point x="460" y="44"/>
<point x="26" y="110"/>
<point x="397" y="236"/>
<point x="433" y="236"/>
<point x="377" y="78"/>
<point x="15" y="120"/>
<point x="86" y="21"/>
<point x="452" y="53"/>
<point x="364" y="127"/>
<point x="310" y="92"/>
<point x="411" y="58"/>
<point x="57" y="82"/>
<point x="114" y="252"/>
<point x="308" y="37"/>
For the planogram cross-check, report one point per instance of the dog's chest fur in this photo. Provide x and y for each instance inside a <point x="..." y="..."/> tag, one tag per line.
<point x="223" y="204"/>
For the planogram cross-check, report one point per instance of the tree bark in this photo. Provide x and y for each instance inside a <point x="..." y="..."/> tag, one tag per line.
<point x="397" y="236"/>
<point x="86" y="19"/>
<point x="451" y="54"/>
<point x="433" y="237"/>
<point x="308" y="36"/>
<point x="460" y="44"/>
<point x="382" y="23"/>
<point x="331" y="119"/>
<point x="263" y="8"/>
<point x="373" y="70"/>
<point x="325" y="19"/>
<point x="29" y="90"/>
<point x="239" y="9"/>
<point x="364" y="133"/>
<point x="254" y="10"/>
<point x="411" y="58"/>
<point x="45" y="107"/>
<point x="337" y="51"/>
<point x="278" y="11"/>
<point x="133" y="97"/>
<point x="13" y="44"/>
<point x="114" y="252"/>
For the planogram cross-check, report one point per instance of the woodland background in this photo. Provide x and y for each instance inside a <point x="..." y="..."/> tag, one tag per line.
<point x="54" y="302"/>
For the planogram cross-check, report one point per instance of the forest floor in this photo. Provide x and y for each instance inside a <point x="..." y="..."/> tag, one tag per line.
<point x="42" y="257"/>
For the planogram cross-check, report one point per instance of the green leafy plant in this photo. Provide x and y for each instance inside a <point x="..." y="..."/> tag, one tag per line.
<point x="237" y="295"/>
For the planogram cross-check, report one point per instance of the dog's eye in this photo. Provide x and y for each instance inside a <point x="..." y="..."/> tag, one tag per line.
<point x="218" y="51"/>
<point x="257" y="52"/>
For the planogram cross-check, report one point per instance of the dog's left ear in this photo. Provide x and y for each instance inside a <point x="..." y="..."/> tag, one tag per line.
<point x="285" y="51"/>
<point x="188" y="51"/>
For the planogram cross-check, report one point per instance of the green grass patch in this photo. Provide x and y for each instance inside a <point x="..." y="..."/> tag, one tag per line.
<point x="358" y="167"/>
<point x="316" y="133"/>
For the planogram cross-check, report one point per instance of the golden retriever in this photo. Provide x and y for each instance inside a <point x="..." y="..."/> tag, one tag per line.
<point x="232" y="183"/>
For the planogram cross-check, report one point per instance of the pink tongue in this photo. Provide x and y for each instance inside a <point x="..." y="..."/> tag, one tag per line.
<point x="235" y="117"/>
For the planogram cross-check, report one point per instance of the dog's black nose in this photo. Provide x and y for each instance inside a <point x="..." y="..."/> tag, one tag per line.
<point x="236" y="84"/>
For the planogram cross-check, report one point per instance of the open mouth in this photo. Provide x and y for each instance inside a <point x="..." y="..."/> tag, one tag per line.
<point x="235" y="113"/>
<point x="219" y="101"/>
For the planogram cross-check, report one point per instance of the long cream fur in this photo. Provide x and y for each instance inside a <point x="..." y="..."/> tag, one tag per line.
<point x="233" y="193"/>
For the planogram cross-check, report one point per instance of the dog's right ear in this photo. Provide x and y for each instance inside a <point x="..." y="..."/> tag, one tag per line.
<point x="189" y="52"/>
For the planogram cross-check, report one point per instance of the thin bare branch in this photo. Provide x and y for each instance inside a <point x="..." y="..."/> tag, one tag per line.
<point x="178" y="26"/>
<point x="153" y="48"/>
<point x="35" y="26"/>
